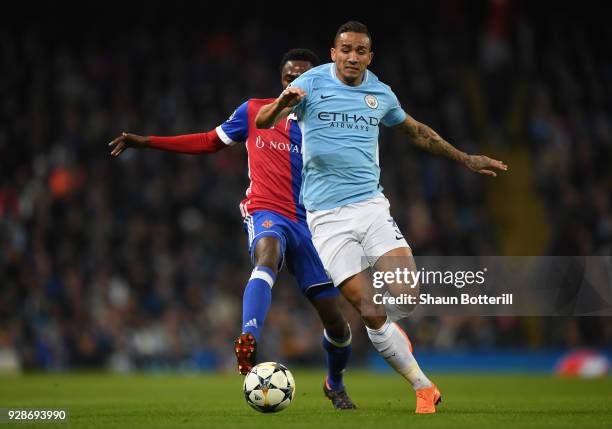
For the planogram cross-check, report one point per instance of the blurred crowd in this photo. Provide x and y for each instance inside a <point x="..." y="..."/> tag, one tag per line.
<point x="140" y="261"/>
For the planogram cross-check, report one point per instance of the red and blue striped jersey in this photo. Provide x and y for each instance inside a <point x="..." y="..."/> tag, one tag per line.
<point x="274" y="157"/>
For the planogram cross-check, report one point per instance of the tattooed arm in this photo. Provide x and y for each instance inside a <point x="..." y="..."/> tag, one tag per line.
<point x="426" y="138"/>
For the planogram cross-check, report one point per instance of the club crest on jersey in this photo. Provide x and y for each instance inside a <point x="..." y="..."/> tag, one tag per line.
<point x="371" y="101"/>
<point x="267" y="223"/>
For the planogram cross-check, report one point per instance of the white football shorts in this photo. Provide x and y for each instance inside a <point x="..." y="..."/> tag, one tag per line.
<point x="351" y="238"/>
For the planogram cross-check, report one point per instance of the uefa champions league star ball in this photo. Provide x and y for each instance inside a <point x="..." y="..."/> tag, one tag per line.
<point x="269" y="387"/>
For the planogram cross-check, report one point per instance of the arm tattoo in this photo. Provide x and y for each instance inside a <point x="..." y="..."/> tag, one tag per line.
<point x="426" y="138"/>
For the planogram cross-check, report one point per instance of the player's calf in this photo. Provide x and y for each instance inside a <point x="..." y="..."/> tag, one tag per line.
<point x="337" y="344"/>
<point x="391" y="342"/>
<point x="395" y="347"/>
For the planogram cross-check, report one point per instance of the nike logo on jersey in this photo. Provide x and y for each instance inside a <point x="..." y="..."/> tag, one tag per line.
<point x="324" y="97"/>
<point x="399" y="238"/>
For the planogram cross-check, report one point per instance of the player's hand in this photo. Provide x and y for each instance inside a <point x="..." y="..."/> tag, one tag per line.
<point x="126" y="140"/>
<point x="484" y="165"/>
<point x="290" y="97"/>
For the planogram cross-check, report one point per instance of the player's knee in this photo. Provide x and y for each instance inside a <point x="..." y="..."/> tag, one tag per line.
<point x="335" y="324"/>
<point x="373" y="321"/>
<point x="352" y="294"/>
<point x="268" y="253"/>
<point x="331" y="316"/>
<point x="373" y="315"/>
<point x="337" y="329"/>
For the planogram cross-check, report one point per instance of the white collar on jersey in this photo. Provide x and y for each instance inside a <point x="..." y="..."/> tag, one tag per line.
<point x="291" y="117"/>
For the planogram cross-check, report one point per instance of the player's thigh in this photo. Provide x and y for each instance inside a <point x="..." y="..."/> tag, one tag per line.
<point x="399" y="258"/>
<point x="266" y="238"/>
<point x="268" y="252"/>
<point x="401" y="261"/>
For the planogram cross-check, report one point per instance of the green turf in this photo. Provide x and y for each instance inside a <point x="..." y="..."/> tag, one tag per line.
<point x="384" y="400"/>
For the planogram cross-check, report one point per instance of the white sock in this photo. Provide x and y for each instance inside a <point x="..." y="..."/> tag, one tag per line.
<point x="393" y="345"/>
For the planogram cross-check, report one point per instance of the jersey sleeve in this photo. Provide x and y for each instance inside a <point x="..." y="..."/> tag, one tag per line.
<point x="395" y="114"/>
<point x="304" y="81"/>
<point x="236" y="128"/>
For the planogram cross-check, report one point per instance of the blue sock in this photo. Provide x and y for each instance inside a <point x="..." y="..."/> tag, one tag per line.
<point x="256" y="300"/>
<point x="338" y="353"/>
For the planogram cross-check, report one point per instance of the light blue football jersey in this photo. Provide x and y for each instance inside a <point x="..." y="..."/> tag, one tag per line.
<point x="339" y="126"/>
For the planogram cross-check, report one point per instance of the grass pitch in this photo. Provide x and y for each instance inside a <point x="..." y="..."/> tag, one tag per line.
<point x="384" y="400"/>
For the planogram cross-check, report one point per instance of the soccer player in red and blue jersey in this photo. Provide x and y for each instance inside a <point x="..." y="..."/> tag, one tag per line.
<point x="275" y="222"/>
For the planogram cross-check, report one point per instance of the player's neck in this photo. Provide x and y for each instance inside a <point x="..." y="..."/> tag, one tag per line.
<point x="356" y="82"/>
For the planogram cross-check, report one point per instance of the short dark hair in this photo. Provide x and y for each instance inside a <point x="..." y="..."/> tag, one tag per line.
<point x="353" y="27"/>
<point x="300" y="54"/>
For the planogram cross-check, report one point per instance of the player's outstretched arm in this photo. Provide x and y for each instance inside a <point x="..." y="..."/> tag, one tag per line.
<point x="190" y="143"/>
<point x="272" y="113"/>
<point x="426" y="138"/>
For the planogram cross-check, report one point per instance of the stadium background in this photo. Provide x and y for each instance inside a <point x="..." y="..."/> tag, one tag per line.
<point x="140" y="262"/>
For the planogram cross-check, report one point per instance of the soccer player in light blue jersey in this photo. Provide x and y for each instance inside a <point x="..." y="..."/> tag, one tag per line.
<point x="340" y="106"/>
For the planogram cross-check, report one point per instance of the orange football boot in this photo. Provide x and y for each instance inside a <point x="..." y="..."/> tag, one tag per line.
<point x="427" y="399"/>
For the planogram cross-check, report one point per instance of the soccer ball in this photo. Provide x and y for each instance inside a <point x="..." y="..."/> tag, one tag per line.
<point x="269" y="387"/>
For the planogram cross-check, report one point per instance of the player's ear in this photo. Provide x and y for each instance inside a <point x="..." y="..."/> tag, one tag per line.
<point x="371" y="55"/>
<point x="333" y="54"/>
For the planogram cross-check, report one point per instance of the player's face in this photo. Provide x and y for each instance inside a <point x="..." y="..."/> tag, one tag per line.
<point x="292" y="70"/>
<point x="352" y="55"/>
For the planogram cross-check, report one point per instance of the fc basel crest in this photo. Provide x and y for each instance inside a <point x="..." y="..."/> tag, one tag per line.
<point x="267" y="223"/>
<point x="371" y="101"/>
